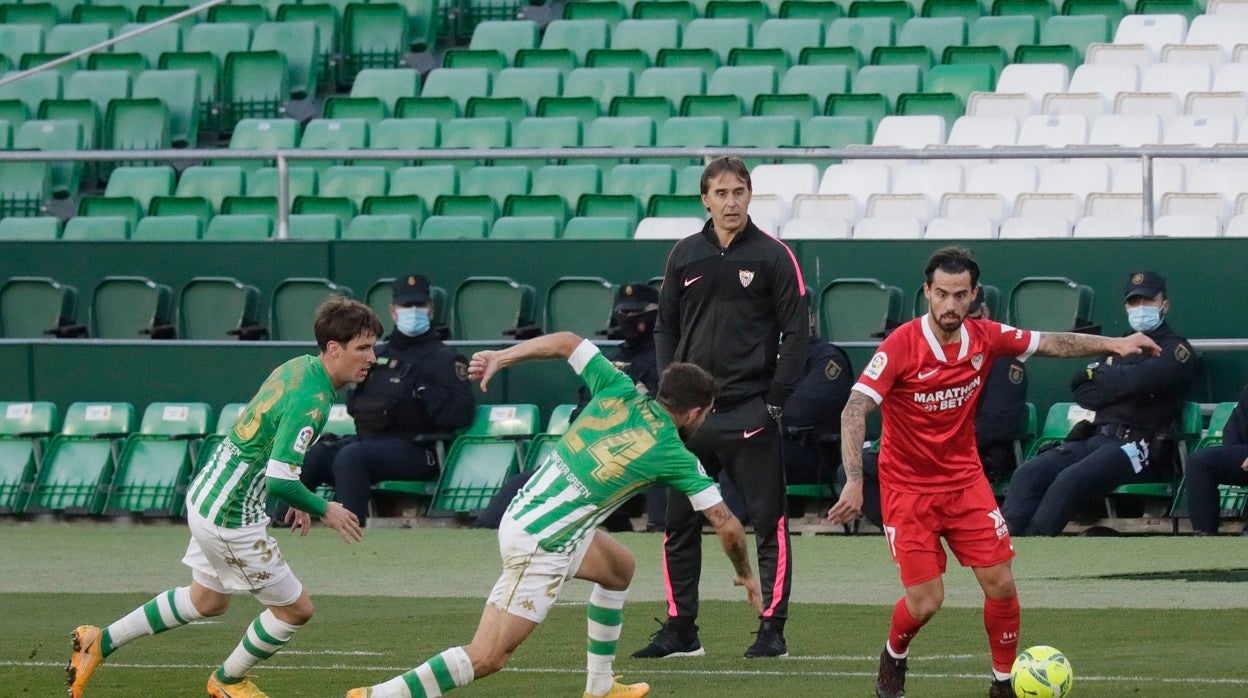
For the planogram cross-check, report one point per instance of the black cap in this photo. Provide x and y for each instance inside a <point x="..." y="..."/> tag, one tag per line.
<point x="635" y="296"/>
<point x="977" y="302"/>
<point x="1144" y="283"/>
<point x="410" y="289"/>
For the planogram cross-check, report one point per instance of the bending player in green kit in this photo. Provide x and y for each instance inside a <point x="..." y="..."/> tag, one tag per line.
<point x="622" y="443"/>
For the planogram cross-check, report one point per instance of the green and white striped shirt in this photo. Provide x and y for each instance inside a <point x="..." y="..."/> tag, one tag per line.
<point x="269" y="439"/>
<point x="621" y="443"/>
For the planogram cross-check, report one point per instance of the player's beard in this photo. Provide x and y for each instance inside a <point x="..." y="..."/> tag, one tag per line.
<point x="950" y="325"/>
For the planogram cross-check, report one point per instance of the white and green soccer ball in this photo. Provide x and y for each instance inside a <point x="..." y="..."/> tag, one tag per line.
<point x="1041" y="672"/>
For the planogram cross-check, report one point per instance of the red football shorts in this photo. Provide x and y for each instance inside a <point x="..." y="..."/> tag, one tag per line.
<point x="968" y="519"/>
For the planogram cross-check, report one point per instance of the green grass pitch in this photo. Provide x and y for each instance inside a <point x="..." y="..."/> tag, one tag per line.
<point x="1138" y="617"/>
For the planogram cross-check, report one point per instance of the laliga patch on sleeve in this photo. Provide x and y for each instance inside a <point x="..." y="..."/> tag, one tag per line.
<point x="701" y="470"/>
<point x="303" y="440"/>
<point x="877" y="365"/>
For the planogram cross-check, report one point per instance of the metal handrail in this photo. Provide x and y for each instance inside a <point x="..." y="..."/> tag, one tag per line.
<point x="282" y="157"/>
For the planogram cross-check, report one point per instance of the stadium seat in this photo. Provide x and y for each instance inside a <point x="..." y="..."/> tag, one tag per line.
<point x="373" y="36"/>
<point x="155" y="464"/>
<point x="381" y="227"/>
<point x="505" y="37"/>
<point x="24" y="431"/>
<point x="983" y="131"/>
<point x="667" y="228"/>
<point x="294" y="305"/>
<point x="481" y="133"/>
<point x="374" y="94"/>
<point x="201" y="191"/>
<point x="129" y="307"/>
<point x="490" y="307"/>
<point x="54" y="135"/>
<point x="30" y="229"/>
<point x="263" y="134"/>
<point x="333" y="134"/>
<point x="34" y="307"/>
<point x="315" y="226"/>
<point x="864" y="34"/>
<point x="261" y="196"/>
<point x="400" y="134"/>
<point x="1019" y="228"/>
<point x="526" y="228"/>
<point x="598" y="228"/>
<point x="453" y="228"/>
<point x="576" y="36"/>
<point x="1054" y="131"/>
<point x="476" y="468"/>
<point x="341" y="191"/>
<point x="79" y="462"/>
<point x="218" y="308"/>
<point x="960" y="228"/>
<point x="545" y="132"/>
<point x="858" y="309"/>
<point x="617" y="132"/>
<point x="579" y="304"/>
<point x="1050" y="304"/>
<point x="763" y="132"/>
<point x="169" y="228"/>
<point x="97" y="228"/>
<point x="910" y="131"/>
<point x="426" y="182"/>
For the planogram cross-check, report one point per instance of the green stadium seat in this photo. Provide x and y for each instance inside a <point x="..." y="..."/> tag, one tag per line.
<point x="299" y="44"/>
<point x="703" y="59"/>
<point x="648" y="36"/>
<point x="24" y="429"/>
<point x="168" y="229"/>
<point x="1007" y="33"/>
<point x="763" y="132"/>
<point x="540" y="449"/>
<point x="1040" y="10"/>
<point x="426" y="182"/>
<point x="525" y="228"/>
<point x="775" y="58"/>
<point x="577" y="36"/>
<point x="333" y="134"/>
<point x="381" y="227"/>
<point x="853" y="310"/>
<point x="742" y="82"/>
<point x="1050" y="304"/>
<point x="675" y="206"/>
<point x="992" y="56"/>
<point x="486" y="59"/>
<point x="129" y="192"/>
<point x="496" y="182"/>
<point x="581" y="305"/>
<point x="138" y="53"/>
<point x="803" y="91"/>
<point x="374" y="94"/>
<point x="680" y="10"/>
<point x="933" y="33"/>
<point x="492" y="307"/>
<point x="862" y="33"/>
<point x="960" y="80"/>
<point x="966" y="10"/>
<point x="453" y="228"/>
<point x="888" y="80"/>
<point x="610" y="206"/>
<point x="97" y="228"/>
<point x="24" y="187"/>
<point x="846" y="56"/>
<point x="480" y="206"/>
<point x="19" y="39"/>
<point x="401" y="134"/>
<point x="373" y="36"/>
<point x="820" y="10"/>
<point x="583" y="109"/>
<point x="610" y="12"/>
<point x="54" y="135"/>
<point x="239" y="227"/>
<point x="256" y="85"/>
<point x="422" y="23"/>
<point x="252" y="14"/>
<point x="130" y="307"/>
<point x="314" y="226"/>
<point x="263" y="134"/>
<point x="1062" y="417"/>
<point x="790" y="35"/>
<point x="484" y="133"/>
<point x="30" y="229"/>
<point x="560" y="60"/>
<point x="658" y="92"/>
<point x="585" y="228"/>
<point x="136" y="124"/>
<point x="641" y="181"/>
<point x="506" y="37"/>
<point x="1060" y="53"/>
<point x="294" y="305"/>
<point x="474" y="472"/>
<point x="545" y="132"/>
<point x="618" y="132"/>
<point x="599" y="84"/>
<point x="690" y="131"/>
<point x="1077" y="32"/>
<point x="543" y="206"/>
<point x="201" y="191"/>
<point x="569" y="182"/>
<point x="1191" y="9"/>
<point x="717" y="35"/>
<point x="342" y="189"/>
<point x="1113" y="10"/>
<point x="328" y="36"/>
<point x="631" y="59"/>
<point x="155" y="465"/>
<point x="34" y="307"/>
<point x="918" y="56"/>
<point x="752" y="11"/>
<point x="261" y="198"/>
<point x="898" y="11"/>
<point x="39" y="14"/>
<point x="218" y="308"/>
<point x="515" y="93"/>
<point x="79" y="462"/>
<point x="68" y="38"/>
<point x="32" y="90"/>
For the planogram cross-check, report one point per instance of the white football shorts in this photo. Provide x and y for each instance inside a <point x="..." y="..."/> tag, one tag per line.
<point x="532" y="577"/>
<point x="237" y="560"/>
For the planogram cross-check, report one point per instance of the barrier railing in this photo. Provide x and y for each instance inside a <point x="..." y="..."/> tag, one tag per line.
<point x="1147" y="155"/>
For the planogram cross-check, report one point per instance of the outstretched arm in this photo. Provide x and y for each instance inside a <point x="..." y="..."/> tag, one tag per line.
<point x="853" y="433"/>
<point x="1068" y="344"/>
<point x="485" y="364"/>
<point x="732" y="536"/>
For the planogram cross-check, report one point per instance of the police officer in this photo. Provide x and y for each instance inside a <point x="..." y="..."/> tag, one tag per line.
<point x="1218" y="465"/>
<point x="1134" y="399"/>
<point x="418" y="386"/>
<point x="812" y="415"/>
<point x="996" y="416"/>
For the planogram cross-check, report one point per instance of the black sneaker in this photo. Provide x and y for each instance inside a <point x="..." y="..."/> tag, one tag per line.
<point x="1000" y="689"/>
<point x="768" y="641"/>
<point x="891" y="681"/>
<point x="672" y="641"/>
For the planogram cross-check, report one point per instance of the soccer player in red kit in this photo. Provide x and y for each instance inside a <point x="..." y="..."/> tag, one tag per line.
<point x="926" y="378"/>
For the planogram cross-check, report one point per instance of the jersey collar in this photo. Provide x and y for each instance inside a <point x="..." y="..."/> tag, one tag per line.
<point x="933" y="343"/>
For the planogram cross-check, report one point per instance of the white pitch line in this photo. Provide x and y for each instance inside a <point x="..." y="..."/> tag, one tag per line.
<point x="672" y="672"/>
<point x="336" y="653"/>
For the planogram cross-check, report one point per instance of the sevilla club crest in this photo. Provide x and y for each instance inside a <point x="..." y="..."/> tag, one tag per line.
<point x="746" y="277"/>
<point x="977" y="361"/>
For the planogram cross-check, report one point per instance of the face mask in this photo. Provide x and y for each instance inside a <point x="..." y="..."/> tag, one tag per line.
<point x="628" y="326"/>
<point x="1144" y="318"/>
<point x="412" y="321"/>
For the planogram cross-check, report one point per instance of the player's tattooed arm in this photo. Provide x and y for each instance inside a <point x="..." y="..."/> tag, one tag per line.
<point x="1069" y="344"/>
<point x="854" y="433"/>
<point x="732" y="537"/>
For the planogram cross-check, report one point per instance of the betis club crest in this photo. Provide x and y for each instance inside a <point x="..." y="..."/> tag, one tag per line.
<point x="746" y="277"/>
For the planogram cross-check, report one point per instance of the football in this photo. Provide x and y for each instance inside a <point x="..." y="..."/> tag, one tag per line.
<point x="1041" y="672"/>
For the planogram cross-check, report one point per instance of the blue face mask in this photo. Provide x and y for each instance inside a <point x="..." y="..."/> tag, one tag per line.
<point x="412" y="321"/>
<point x="1144" y="318"/>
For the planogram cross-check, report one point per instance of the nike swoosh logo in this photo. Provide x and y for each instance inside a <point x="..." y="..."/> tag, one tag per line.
<point x="748" y="434"/>
<point x="690" y="282"/>
<point x="924" y="375"/>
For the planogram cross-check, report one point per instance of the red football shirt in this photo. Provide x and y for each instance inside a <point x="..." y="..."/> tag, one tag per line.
<point x="927" y="393"/>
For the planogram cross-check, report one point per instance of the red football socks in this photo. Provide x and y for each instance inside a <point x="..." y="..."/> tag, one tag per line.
<point x="904" y="627"/>
<point x="1002" y="623"/>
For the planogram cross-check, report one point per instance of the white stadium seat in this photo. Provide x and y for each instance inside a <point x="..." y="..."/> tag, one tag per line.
<point x="1154" y="31"/>
<point x="1108" y="204"/>
<point x="992" y="206"/>
<point x="1232" y="77"/>
<point x="1033" y="80"/>
<point x="1211" y="55"/>
<point x="1138" y="55"/>
<point x="1174" y="203"/>
<point x="1080" y="178"/>
<point x="909" y="131"/>
<point x="888" y="229"/>
<point x="666" y="228"/>
<point x="1107" y="79"/>
<point x="1207" y="29"/>
<point x="1109" y="227"/>
<point x="1009" y="179"/>
<point x="985" y="131"/>
<point x="858" y="180"/>
<point x="1209" y="103"/>
<point x="1064" y="205"/>
<point x="1018" y="106"/>
<point x="816" y="229"/>
<point x="786" y="181"/>
<point x="916" y="206"/>
<point x="1204" y="131"/>
<point x="1168" y="175"/>
<point x="1228" y="9"/>
<point x="768" y="207"/>
<point x="833" y="206"/>
<point x="1054" y="131"/>
<point x="1238" y="227"/>
<point x="1187" y="226"/>
<point x="1034" y="227"/>
<point x="961" y="228"/>
<point x="1163" y="105"/>
<point x="1131" y="130"/>
<point x="1089" y="105"/>
<point x="1179" y="78"/>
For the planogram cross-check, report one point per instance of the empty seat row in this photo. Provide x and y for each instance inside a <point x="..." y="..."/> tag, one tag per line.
<point x="970" y="227"/>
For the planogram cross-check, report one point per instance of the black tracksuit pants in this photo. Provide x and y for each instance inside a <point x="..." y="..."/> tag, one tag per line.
<point x="1206" y="469"/>
<point x="745" y="443"/>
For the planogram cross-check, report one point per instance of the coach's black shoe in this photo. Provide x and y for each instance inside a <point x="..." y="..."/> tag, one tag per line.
<point x="672" y="640"/>
<point x="768" y="641"/>
<point x="1000" y="689"/>
<point x="891" y="681"/>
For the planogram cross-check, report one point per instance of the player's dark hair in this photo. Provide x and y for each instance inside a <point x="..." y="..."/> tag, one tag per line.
<point x="953" y="260"/>
<point x="342" y="319"/>
<point x="731" y="165"/>
<point x="684" y="386"/>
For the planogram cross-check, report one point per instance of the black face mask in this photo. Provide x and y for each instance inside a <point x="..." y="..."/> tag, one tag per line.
<point x="636" y="328"/>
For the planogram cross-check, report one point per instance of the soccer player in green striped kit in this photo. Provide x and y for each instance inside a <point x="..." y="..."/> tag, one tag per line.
<point x="230" y="550"/>
<point x="622" y="443"/>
